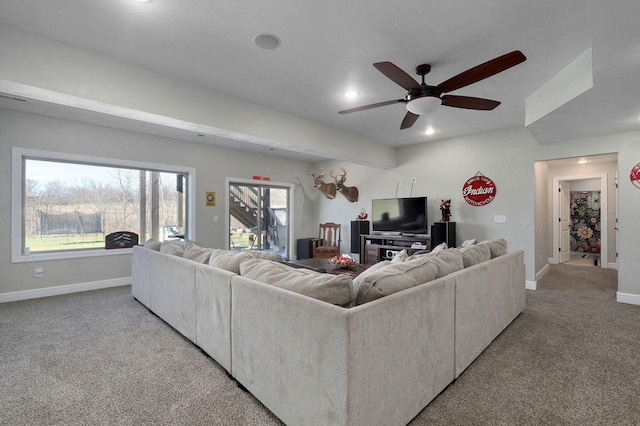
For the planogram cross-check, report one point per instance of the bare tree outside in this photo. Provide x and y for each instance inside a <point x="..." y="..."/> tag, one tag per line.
<point x="108" y="195"/>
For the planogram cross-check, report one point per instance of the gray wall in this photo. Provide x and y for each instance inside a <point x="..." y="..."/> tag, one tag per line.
<point x="212" y="166"/>
<point x="509" y="158"/>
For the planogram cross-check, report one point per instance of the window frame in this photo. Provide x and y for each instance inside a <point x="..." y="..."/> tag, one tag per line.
<point x="19" y="155"/>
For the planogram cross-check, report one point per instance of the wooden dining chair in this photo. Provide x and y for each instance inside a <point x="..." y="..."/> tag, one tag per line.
<point x="328" y="243"/>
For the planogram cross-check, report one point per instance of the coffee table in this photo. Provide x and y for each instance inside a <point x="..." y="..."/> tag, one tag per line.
<point x="323" y="263"/>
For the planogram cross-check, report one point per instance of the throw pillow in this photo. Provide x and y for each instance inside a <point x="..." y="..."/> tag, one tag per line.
<point x="401" y="256"/>
<point x="334" y="289"/>
<point x="468" y="242"/>
<point x="377" y="282"/>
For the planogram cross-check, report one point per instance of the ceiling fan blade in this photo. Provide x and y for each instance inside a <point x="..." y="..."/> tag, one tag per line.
<point x="364" y="107"/>
<point x="409" y="120"/>
<point x="469" y="102"/>
<point x="397" y="75"/>
<point x="482" y="71"/>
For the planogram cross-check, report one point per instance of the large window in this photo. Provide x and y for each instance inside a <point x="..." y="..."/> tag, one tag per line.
<point x="65" y="205"/>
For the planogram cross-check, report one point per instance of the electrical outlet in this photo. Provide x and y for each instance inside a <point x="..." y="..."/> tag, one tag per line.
<point x="500" y="218"/>
<point x="38" y="272"/>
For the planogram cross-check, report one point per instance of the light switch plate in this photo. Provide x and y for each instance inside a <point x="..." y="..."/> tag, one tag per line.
<point x="500" y="218"/>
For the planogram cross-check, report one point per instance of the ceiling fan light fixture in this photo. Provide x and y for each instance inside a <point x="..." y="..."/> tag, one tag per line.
<point x="423" y="105"/>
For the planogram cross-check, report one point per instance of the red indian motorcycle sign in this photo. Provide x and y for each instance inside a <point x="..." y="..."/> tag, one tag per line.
<point x="635" y="175"/>
<point x="479" y="191"/>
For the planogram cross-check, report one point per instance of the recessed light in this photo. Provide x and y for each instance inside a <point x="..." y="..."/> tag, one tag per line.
<point x="351" y="94"/>
<point x="267" y="41"/>
<point x="429" y="131"/>
<point x="582" y="161"/>
<point x="143" y="1"/>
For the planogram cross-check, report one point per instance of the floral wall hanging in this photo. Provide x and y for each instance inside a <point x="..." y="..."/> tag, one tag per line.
<point x="585" y="221"/>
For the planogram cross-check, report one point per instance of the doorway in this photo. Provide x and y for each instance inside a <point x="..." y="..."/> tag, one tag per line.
<point x="258" y="216"/>
<point x="581" y="227"/>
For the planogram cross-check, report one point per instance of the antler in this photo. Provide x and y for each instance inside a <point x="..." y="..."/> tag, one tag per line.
<point x="310" y="173"/>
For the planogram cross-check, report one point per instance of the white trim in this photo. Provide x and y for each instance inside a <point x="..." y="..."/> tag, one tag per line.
<point x="17" y="194"/>
<point x="63" y="289"/>
<point x="530" y="285"/>
<point x="542" y="272"/>
<point x="632" y="299"/>
<point x="604" y="218"/>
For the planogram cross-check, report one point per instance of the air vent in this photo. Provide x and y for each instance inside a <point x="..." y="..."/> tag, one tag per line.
<point x="4" y="95"/>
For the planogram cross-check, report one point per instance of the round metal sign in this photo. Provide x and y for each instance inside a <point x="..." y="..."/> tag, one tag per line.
<point x="479" y="190"/>
<point x="635" y="175"/>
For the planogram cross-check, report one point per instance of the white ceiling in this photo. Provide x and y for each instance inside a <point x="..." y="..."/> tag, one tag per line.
<point x="329" y="47"/>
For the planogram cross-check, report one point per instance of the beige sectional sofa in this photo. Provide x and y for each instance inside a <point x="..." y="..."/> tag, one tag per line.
<point x="312" y="362"/>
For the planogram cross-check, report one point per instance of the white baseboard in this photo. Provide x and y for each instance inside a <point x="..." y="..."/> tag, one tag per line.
<point x="530" y="285"/>
<point x="63" y="289"/>
<point x="542" y="272"/>
<point x="632" y="299"/>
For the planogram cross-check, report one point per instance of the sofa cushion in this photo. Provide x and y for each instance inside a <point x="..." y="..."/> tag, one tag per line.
<point x="264" y="255"/>
<point x="197" y="253"/>
<point x="380" y="281"/>
<point x="153" y="244"/>
<point x="174" y="247"/>
<point x="472" y="255"/>
<point x="228" y="260"/>
<point x="497" y="247"/>
<point x="448" y="261"/>
<point x="334" y="289"/>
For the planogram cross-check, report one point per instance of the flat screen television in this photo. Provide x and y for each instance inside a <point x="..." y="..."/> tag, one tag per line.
<point x="399" y="216"/>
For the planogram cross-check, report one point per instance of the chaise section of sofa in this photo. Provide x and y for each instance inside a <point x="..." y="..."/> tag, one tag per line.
<point x="192" y="297"/>
<point x="313" y="363"/>
<point x="489" y="296"/>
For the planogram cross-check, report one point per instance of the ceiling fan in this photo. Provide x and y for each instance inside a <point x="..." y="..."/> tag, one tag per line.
<point x="422" y="98"/>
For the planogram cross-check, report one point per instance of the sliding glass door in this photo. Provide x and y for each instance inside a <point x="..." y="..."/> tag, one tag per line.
<point x="259" y="217"/>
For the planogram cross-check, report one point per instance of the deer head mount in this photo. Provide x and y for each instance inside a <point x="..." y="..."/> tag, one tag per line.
<point x="349" y="192"/>
<point x="328" y="189"/>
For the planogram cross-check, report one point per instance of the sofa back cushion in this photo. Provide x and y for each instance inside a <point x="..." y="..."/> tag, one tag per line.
<point x="448" y="261"/>
<point x="497" y="247"/>
<point x="174" y="247"/>
<point x="264" y="255"/>
<point x="472" y="255"/>
<point x="153" y="244"/>
<point x="384" y="279"/>
<point x="197" y="253"/>
<point x="334" y="289"/>
<point x="228" y="260"/>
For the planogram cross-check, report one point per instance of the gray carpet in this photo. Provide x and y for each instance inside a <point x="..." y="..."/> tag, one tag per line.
<point x="100" y="358"/>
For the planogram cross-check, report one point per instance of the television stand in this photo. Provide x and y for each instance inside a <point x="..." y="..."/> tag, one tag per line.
<point x="375" y="248"/>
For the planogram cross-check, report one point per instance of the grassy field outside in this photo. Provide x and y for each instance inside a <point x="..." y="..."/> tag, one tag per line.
<point x="64" y="242"/>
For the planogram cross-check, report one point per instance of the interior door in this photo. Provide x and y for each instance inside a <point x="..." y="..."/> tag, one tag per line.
<point x="564" y="221"/>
